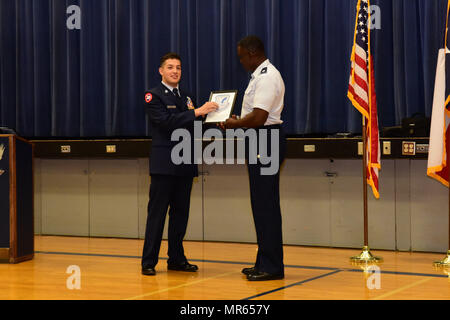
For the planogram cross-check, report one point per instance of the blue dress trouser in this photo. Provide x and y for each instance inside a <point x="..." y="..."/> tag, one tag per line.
<point x="265" y="202"/>
<point x="166" y="192"/>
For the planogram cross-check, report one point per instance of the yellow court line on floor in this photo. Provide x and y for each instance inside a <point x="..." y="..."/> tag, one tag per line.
<point x="401" y="289"/>
<point x="180" y="286"/>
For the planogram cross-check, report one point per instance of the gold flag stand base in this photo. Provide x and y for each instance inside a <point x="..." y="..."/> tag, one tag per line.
<point x="445" y="262"/>
<point x="365" y="257"/>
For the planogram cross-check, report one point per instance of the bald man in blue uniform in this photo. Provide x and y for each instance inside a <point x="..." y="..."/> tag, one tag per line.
<point x="169" y="108"/>
<point x="262" y="107"/>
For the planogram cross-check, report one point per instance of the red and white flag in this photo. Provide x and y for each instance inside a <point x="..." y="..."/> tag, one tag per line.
<point x="361" y="91"/>
<point x="437" y="167"/>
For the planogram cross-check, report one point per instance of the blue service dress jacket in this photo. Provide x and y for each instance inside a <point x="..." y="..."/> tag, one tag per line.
<point x="166" y="114"/>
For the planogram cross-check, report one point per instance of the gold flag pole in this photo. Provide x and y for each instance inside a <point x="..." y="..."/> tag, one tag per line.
<point x="365" y="256"/>
<point x="445" y="263"/>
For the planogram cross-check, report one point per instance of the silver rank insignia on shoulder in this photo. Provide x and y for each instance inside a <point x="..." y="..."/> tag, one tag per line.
<point x="190" y="104"/>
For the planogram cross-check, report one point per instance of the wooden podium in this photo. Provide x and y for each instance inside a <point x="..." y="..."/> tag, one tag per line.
<point x="16" y="199"/>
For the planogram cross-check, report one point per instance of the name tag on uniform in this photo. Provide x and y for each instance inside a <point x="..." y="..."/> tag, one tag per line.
<point x="171" y="107"/>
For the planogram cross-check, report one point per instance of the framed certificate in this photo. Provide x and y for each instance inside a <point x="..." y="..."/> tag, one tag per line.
<point x="225" y="100"/>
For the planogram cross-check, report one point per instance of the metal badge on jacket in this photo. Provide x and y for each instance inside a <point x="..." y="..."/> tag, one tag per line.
<point x="190" y="104"/>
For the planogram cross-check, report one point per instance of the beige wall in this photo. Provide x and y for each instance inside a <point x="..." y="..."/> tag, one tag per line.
<point x="108" y="198"/>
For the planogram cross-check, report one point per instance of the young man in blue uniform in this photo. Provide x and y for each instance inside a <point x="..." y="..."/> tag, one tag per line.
<point x="261" y="109"/>
<point x="169" y="108"/>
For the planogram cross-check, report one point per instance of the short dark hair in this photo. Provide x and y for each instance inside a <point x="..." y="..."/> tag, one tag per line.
<point x="252" y="44"/>
<point x="167" y="56"/>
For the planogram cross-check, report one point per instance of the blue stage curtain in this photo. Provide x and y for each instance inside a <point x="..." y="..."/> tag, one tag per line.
<point x="56" y="82"/>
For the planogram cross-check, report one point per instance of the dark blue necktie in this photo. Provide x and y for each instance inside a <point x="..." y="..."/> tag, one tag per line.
<point x="176" y="93"/>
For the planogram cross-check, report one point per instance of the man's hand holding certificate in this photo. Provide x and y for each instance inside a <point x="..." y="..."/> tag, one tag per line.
<point x="225" y="100"/>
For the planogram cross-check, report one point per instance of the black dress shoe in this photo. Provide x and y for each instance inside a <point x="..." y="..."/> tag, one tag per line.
<point x="263" y="276"/>
<point x="148" y="271"/>
<point x="183" y="267"/>
<point x="248" y="271"/>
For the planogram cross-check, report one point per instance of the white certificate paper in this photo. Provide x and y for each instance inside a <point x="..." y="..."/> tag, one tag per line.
<point x="225" y="100"/>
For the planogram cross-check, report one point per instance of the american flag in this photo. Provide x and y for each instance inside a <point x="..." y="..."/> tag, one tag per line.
<point x="361" y="91"/>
